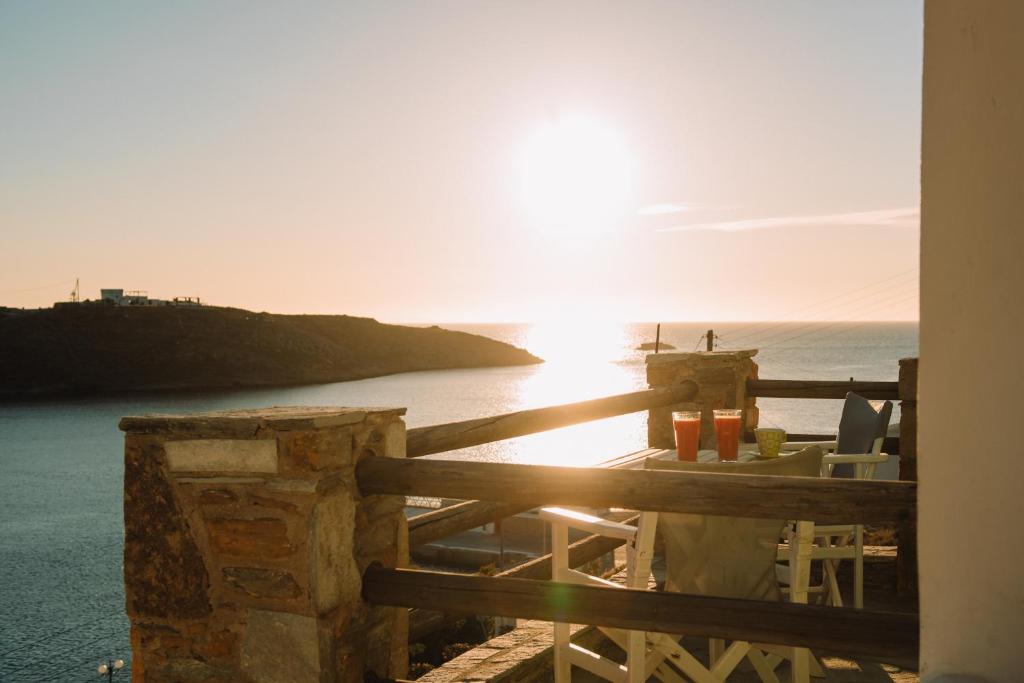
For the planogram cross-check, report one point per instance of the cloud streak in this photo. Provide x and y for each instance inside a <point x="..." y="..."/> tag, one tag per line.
<point x="904" y="217"/>
<point x="661" y="209"/>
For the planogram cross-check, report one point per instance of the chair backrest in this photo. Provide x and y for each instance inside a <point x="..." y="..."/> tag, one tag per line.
<point x="729" y="557"/>
<point x="862" y="424"/>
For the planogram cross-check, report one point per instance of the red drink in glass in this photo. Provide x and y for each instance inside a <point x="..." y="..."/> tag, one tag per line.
<point x="727" y="429"/>
<point x="687" y="426"/>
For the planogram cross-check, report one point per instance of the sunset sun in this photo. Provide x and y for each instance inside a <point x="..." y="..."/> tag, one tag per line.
<point x="575" y="175"/>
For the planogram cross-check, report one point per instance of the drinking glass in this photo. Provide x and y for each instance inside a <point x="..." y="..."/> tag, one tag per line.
<point x="728" y="423"/>
<point x="769" y="440"/>
<point x="687" y="426"/>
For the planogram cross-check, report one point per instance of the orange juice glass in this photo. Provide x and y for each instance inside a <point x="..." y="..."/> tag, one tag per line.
<point x="728" y="425"/>
<point x="687" y="426"/>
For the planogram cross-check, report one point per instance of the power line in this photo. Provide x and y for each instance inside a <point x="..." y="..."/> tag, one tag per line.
<point x="874" y="302"/>
<point x="820" y="328"/>
<point x="787" y="326"/>
<point x="792" y="317"/>
<point x="890" y="302"/>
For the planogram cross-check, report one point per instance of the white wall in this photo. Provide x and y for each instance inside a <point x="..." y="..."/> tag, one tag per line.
<point x="971" y="466"/>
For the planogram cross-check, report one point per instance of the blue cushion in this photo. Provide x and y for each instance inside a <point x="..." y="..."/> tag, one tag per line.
<point x="859" y="426"/>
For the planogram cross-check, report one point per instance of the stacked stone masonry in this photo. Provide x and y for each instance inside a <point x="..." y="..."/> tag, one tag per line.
<point x="722" y="377"/>
<point x="246" y="539"/>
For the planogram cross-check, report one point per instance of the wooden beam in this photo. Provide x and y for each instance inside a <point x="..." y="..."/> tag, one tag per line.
<point x="423" y="622"/>
<point x="800" y="388"/>
<point x="835" y="501"/>
<point x="906" y="562"/>
<point x="455" y="435"/>
<point x="453" y="519"/>
<point x="883" y="635"/>
<point x="580" y="552"/>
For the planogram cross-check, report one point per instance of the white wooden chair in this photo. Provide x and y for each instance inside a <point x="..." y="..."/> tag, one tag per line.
<point x="721" y="556"/>
<point x="855" y="454"/>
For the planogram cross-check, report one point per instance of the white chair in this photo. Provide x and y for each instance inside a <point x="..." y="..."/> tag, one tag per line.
<point x="854" y="454"/>
<point x="719" y="556"/>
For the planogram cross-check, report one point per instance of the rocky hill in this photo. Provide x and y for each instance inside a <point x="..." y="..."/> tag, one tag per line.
<point x="90" y="348"/>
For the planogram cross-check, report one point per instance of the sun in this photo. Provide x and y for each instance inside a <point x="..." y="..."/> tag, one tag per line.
<point x="575" y="176"/>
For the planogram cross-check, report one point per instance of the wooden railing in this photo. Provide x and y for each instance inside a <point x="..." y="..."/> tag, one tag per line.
<point x="437" y="524"/>
<point x="744" y="495"/>
<point x="453" y="519"/>
<point x="507" y="490"/>
<point x="854" y="632"/>
<point x="811" y="389"/>
<point x="905" y="391"/>
<point x="888" y="636"/>
<point x="801" y="388"/>
<point x="455" y="435"/>
<point x="423" y="622"/>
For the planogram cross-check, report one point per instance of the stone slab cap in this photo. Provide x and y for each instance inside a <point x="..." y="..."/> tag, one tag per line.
<point x="222" y="455"/>
<point x="241" y="423"/>
<point x="654" y="358"/>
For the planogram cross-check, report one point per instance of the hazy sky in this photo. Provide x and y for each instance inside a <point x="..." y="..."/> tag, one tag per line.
<point x="459" y="161"/>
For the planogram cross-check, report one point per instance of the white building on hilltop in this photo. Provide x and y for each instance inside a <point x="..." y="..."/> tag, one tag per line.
<point x="120" y="297"/>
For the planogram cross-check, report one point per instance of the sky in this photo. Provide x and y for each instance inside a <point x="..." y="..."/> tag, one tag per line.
<point x="466" y="161"/>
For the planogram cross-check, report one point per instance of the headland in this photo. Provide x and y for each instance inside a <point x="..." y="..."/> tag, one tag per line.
<point x="93" y="348"/>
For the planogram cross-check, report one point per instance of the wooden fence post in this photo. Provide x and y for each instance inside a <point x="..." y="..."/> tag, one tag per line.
<point x="906" y="558"/>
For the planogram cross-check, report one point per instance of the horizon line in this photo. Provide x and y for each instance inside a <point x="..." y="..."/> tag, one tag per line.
<point x="654" y="322"/>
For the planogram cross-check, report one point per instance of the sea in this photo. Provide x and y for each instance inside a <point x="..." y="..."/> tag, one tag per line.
<point x="61" y="531"/>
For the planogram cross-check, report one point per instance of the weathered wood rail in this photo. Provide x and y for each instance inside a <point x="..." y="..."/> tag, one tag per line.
<point x="432" y="526"/>
<point x="455" y="435"/>
<point x="863" y="502"/>
<point x="746" y="495"/>
<point x="453" y="519"/>
<point x="423" y="622"/>
<point x="803" y="388"/>
<point x="437" y="524"/>
<point x="890" y="636"/>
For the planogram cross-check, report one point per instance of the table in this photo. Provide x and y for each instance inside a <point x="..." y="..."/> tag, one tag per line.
<point x="747" y="453"/>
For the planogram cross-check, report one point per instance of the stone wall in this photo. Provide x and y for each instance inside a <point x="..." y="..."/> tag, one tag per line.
<point x="722" y="378"/>
<point x="245" y="543"/>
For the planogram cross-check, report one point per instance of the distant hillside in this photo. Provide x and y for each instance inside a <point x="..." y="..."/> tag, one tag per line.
<point x="89" y="349"/>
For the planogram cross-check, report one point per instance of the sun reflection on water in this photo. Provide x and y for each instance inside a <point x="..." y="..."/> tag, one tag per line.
<point x="583" y="360"/>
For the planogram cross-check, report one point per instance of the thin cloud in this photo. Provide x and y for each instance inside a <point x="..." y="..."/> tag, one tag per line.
<point x="905" y="217"/>
<point x="662" y="209"/>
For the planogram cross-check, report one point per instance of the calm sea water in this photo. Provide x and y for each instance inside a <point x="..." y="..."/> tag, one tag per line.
<point x="61" y="595"/>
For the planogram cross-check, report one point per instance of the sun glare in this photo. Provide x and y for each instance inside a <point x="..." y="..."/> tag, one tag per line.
<point x="575" y="176"/>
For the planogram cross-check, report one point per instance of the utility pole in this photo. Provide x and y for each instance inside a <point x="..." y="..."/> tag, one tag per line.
<point x="75" y="293"/>
<point x="711" y="340"/>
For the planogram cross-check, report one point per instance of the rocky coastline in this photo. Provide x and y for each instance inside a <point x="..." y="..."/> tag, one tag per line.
<point x="91" y="349"/>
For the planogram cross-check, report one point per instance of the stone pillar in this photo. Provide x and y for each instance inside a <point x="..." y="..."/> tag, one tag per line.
<point x="906" y="557"/>
<point x="245" y="543"/>
<point x="722" y="377"/>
